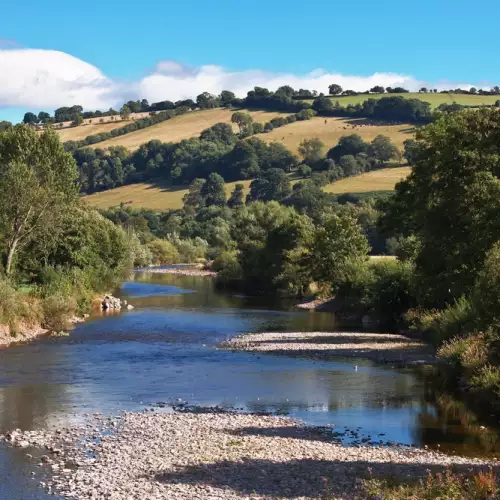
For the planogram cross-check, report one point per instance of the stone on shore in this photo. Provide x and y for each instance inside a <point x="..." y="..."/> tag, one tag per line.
<point x="186" y="456"/>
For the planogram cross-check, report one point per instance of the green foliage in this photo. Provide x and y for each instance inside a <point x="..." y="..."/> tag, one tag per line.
<point x="213" y="190"/>
<point x="486" y="293"/>
<point x="382" y="289"/>
<point x="304" y="171"/>
<point x="382" y="150"/>
<point x="270" y="237"/>
<point x="163" y="252"/>
<point x="411" y="151"/>
<point x="311" y="150"/>
<point x="16" y="309"/>
<point x="348" y="145"/>
<point x="338" y="241"/>
<point x="482" y="485"/>
<point x="37" y="185"/>
<point x="273" y="184"/>
<point x="237" y="197"/>
<point x="451" y="201"/>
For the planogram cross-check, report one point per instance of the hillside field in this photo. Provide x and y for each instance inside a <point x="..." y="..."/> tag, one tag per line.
<point x="377" y="180"/>
<point x="158" y="197"/>
<point x="152" y="196"/>
<point x="182" y="127"/>
<point x="434" y="99"/>
<point x="330" y="130"/>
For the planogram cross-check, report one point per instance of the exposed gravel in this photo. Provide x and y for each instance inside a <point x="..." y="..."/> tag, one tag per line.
<point x="24" y="333"/>
<point x="182" y="271"/>
<point x="210" y="456"/>
<point x="379" y="347"/>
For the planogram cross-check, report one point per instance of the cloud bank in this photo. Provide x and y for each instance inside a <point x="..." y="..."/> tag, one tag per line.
<point x="38" y="79"/>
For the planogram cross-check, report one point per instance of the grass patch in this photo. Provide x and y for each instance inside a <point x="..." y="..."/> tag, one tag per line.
<point x="153" y="196"/>
<point x="182" y="127"/>
<point x="330" y="130"/>
<point x="378" y="180"/>
<point x="160" y="197"/>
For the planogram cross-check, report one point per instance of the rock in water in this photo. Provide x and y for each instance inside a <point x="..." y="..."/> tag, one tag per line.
<point x="110" y="302"/>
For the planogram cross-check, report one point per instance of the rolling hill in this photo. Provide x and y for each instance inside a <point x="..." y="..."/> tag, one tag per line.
<point x="158" y="197"/>
<point x="434" y="99"/>
<point x="182" y="127"/>
<point x="145" y="195"/>
<point x="377" y="180"/>
<point x="330" y="130"/>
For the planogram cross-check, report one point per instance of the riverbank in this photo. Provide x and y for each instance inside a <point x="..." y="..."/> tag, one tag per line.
<point x="378" y="347"/>
<point x="212" y="455"/>
<point x="28" y="332"/>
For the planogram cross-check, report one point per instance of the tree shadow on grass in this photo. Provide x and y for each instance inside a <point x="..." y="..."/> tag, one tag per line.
<point x="304" y="478"/>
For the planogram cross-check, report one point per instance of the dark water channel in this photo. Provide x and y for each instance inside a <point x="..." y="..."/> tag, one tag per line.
<point x="163" y="350"/>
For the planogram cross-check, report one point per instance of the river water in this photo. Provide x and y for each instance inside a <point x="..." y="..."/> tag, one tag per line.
<point x="164" y="351"/>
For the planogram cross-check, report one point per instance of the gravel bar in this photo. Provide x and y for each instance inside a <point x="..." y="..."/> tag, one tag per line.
<point x="209" y="456"/>
<point x="188" y="271"/>
<point x="379" y="347"/>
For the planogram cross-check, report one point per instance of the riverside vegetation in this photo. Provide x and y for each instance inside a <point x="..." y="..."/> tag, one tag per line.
<point x="441" y="224"/>
<point x="57" y="253"/>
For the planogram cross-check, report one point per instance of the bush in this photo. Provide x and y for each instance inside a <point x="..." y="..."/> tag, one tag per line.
<point x="163" y="252"/>
<point x="447" y="485"/>
<point x="58" y="311"/>
<point x="439" y="326"/>
<point x="393" y="291"/>
<point x="228" y="269"/>
<point x="15" y="308"/>
<point x="486" y="293"/>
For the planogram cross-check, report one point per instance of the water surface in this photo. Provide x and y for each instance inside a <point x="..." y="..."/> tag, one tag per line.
<point x="164" y="350"/>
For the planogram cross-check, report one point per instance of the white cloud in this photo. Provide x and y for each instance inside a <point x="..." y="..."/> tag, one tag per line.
<point x="46" y="79"/>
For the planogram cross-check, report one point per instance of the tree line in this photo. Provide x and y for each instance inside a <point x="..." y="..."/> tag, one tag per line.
<point x="280" y="100"/>
<point x="233" y="156"/>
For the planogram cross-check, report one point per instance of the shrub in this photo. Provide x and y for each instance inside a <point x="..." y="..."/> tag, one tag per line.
<point x="16" y="308"/>
<point x="163" y="252"/>
<point x="481" y="485"/>
<point x="57" y="312"/>
<point x="467" y="352"/>
<point x="456" y="319"/>
<point x="487" y="378"/>
<point x="393" y="291"/>
<point x="486" y="293"/>
<point x="229" y="270"/>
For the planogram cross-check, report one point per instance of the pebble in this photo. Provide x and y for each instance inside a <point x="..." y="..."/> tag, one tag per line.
<point x="379" y="347"/>
<point x="202" y="453"/>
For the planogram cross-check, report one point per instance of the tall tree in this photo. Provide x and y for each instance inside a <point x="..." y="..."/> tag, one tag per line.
<point x="213" y="191"/>
<point x="335" y="89"/>
<point x="30" y="118"/>
<point x="237" y="197"/>
<point x="311" y="150"/>
<point x="37" y="185"/>
<point x="243" y="120"/>
<point x="125" y="112"/>
<point x="451" y="201"/>
<point x="272" y="185"/>
<point x="338" y="241"/>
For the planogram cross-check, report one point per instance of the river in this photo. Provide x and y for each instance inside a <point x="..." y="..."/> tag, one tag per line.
<point x="164" y="351"/>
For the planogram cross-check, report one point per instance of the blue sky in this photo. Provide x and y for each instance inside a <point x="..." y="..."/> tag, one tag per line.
<point x="428" y="40"/>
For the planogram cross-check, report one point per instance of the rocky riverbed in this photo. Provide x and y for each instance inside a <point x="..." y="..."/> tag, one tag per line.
<point x="213" y="455"/>
<point x="182" y="271"/>
<point x="379" y="347"/>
